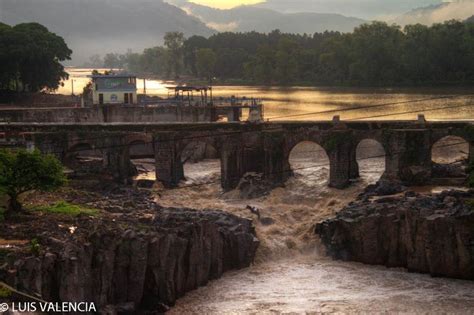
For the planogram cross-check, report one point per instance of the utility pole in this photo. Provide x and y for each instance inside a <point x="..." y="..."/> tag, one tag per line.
<point x="72" y="87"/>
<point x="144" y="86"/>
<point x="210" y="89"/>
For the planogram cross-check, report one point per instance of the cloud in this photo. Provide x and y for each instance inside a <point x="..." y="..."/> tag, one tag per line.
<point x="225" y="4"/>
<point x="223" y="27"/>
<point x="458" y="10"/>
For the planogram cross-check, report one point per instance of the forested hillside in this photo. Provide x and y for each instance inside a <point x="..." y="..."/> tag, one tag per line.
<point x="374" y="54"/>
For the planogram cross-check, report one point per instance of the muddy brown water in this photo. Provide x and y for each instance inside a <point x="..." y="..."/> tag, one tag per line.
<point x="291" y="274"/>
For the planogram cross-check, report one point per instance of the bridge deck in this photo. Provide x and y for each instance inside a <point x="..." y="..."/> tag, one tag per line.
<point x="201" y="126"/>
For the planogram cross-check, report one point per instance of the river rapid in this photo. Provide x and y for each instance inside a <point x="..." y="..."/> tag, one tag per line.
<point x="291" y="274"/>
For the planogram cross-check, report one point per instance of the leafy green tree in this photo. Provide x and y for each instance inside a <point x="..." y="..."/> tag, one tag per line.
<point x="264" y="65"/>
<point x="375" y="54"/>
<point x="39" y="56"/>
<point x="174" y="41"/>
<point x="229" y="62"/>
<point x="10" y="49"/>
<point x="24" y="171"/>
<point x="206" y="62"/>
<point x="416" y="56"/>
<point x="375" y="50"/>
<point x="112" y="61"/>
<point x="190" y="48"/>
<point x="286" y="62"/>
<point x="156" y="60"/>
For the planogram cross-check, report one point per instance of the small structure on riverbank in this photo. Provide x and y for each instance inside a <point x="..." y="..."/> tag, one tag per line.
<point x="114" y="89"/>
<point x="186" y="95"/>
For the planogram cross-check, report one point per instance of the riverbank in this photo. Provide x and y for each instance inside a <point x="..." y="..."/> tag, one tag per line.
<point x="119" y="250"/>
<point x="431" y="233"/>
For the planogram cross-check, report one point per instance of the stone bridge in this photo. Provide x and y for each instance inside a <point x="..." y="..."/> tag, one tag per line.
<point x="243" y="147"/>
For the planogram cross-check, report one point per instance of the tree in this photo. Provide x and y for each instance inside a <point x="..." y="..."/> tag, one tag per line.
<point x="156" y="60"/>
<point x="264" y="64"/>
<point x="375" y="54"/>
<point x="22" y="171"/>
<point x="112" y="61"/>
<point x="286" y="63"/>
<point x="32" y="56"/>
<point x="206" y="62"/>
<point x="190" y="48"/>
<point x="174" y="41"/>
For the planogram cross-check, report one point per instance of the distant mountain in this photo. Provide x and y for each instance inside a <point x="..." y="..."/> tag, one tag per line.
<point x="458" y="10"/>
<point x="367" y="9"/>
<point x="470" y="20"/>
<point x="251" y="18"/>
<point x="100" y="26"/>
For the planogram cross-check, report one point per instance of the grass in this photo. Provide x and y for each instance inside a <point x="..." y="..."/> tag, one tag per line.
<point x="470" y="204"/>
<point x="64" y="207"/>
<point x="5" y="292"/>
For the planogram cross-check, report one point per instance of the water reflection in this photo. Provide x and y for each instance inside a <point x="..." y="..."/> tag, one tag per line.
<point x="297" y="103"/>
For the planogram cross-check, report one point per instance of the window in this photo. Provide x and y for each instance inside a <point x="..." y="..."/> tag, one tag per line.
<point x="125" y="98"/>
<point x="101" y="98"/>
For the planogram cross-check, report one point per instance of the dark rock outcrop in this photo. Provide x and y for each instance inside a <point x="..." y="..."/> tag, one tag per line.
<point x="424" y="233"/>
<point x="144" y="263"/>
<point x="456" y="170"/>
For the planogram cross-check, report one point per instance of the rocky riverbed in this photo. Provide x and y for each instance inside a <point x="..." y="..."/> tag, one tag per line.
<point x="134" y="255"/>
<point x="431" y="233"/>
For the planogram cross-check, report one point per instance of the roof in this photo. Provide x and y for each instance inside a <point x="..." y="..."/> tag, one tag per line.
<point x="120" y="75"/>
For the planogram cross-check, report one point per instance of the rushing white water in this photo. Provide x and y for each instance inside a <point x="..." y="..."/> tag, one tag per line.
<point x="291" y="274"/>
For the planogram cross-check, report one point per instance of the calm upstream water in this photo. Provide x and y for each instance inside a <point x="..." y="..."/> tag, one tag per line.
<point x="291" y="274"/>
<point x="301" y="103"/>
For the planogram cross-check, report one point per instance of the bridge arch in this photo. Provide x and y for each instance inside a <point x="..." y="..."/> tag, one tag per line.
<point x="309" y="161"/>
<point x="370" y="156"/>
<point x="84" y="157"/>
<point x="81" y="149"/>
<point x="139" y="149"/>
<point x="449" y="157"/>
<point x="449" y="148"/>
<point x="199" y="162"/>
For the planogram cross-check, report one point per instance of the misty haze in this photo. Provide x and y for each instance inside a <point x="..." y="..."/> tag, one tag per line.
<point x="237" y="156"/>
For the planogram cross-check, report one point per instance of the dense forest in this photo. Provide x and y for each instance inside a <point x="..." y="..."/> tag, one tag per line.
<point x="30" y="58"/>
<point x="372" y="55"/>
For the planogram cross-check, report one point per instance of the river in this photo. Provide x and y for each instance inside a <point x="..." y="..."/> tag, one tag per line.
<point x="300" y="103"/>
<point x="291" y="274"/>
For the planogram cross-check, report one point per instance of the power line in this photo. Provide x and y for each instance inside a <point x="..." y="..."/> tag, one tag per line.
<point x="371" y="106"/>
<point x="410" y="112"/>
<point x="226" y="133"/>
<point x="337" y="111"/>
<point x="221" y="134"/>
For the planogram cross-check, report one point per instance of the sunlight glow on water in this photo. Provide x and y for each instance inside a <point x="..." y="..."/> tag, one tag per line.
<point x="301" y="103"/>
